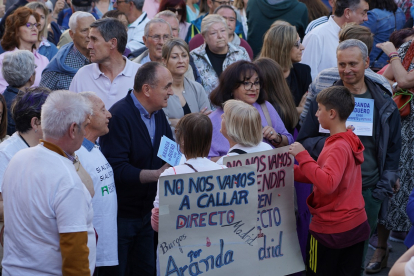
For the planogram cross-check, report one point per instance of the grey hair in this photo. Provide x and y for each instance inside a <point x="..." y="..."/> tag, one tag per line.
<point x="61" y="109"/>
<point x="18" y="67"/>
<point x="210" y="20"/>
<point x="73" y="21"/>
<point x="153" y="21"/>
<point x="88" y="94"/>
<point x="349" y="43"/>
<point x="166" y="13"/>
<point x="138" y="3"/>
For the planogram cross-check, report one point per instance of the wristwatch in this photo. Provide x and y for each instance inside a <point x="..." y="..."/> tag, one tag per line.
<point x="394" y="86"/>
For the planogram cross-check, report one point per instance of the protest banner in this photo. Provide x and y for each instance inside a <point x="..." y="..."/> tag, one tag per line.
<point x="207" y="223"/>
<point x="362" y="118"/>
<point x="279" y="252"/>
<point x="169" y="152"/>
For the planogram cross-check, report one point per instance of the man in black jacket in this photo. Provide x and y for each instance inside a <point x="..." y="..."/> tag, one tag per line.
<point x="137" y="125"/>
<point x="382" y="148"/>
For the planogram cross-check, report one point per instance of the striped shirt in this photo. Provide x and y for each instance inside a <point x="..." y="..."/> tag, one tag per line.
<point x="315" y="23"/>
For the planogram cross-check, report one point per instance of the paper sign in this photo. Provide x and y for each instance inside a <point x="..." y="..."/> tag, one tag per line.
<point x="169" y="152"/>
<point x="362" y="118"/>
<point x="279" y="252"/>
<point x="207" y="223"/>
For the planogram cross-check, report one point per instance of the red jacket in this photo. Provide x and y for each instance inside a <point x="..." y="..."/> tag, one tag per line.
<point x="336" y="202"/>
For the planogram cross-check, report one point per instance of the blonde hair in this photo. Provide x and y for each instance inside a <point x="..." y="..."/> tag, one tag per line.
<point x="37" y="5"/>
<point x="239" y="4"/>
<point x="243" y="123"/>
<point x="278" y="42"/>
<point x="210" y="20"/>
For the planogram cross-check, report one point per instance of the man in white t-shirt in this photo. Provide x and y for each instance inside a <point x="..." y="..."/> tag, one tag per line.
<point x="47" y="209"/>
<point x="104" y="201"/>
<point x="321" y="43"/>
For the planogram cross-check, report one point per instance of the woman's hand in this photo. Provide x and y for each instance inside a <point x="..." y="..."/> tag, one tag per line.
<point x="301" y="105"/>
<point x="205" y="111"/>
<point x="270" y="134"/>
<point x="387" y="47"/>
<point x="60" y="4"/>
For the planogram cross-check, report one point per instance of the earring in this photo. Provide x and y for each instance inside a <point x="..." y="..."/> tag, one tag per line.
<point x="35" y="130"/>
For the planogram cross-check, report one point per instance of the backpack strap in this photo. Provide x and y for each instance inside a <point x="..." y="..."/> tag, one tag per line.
<point x="266" y="114"/>
<point x="238" y="151"/>
<point x="191" y="166"/>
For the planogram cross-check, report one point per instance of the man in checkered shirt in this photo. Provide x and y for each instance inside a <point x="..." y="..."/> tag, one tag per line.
<point x="59" y="73"/>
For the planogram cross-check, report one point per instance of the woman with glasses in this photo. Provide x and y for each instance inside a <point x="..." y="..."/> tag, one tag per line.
<point x="213" y="57"/>
<point x="22" y="33"/>
<point x="243" y="81"/>
<point x="282" y="44"/>
<point x="179" y="8"/>
<point x="44" y="47"/>
<point x="189" y="96"/>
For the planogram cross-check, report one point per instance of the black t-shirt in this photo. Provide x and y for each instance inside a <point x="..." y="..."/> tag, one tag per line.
<point x="216" y="60"/>
<point x="186" y="109"/>
<point x="299" y="80"/>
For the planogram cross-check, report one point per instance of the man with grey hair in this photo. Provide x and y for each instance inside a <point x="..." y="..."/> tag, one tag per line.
<point x="110" y="75"/>
<point x="47" y="207"/>
<point x="19" y="72"/>
<point x="59" y="73"/>
<point x="104" y="201"/>
<point x="321" y="43"/>
<point x="382" y="145"/>
<point x="156" y="32"/>
<point x="137" y="19"/>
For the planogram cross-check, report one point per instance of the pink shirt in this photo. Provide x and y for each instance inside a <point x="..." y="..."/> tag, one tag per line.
<point x="90" y="78"/>
<point x="40" y="60"/>
<point x="151" y="7"/>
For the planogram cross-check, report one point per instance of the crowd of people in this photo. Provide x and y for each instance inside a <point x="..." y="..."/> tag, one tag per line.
<point x="89" y="87"/>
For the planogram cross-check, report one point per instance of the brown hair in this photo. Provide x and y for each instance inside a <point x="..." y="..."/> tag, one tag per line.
<point x="354" y="31"/>
<point x="194" y="133"/>
<point x="37" y="5"/>
<point x="316" y="9"/>
<point x="398" y="37"/>
<point x="278" y="42"/>
<point x="170" y="44"/>
<point x="3" y="122"/>
<point x="338" y="98"/>
<point x="14" y="21"/>
<point x="278" y="92"/>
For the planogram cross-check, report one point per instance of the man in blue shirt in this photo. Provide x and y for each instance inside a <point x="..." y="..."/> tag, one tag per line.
<point x="135" y="130"/>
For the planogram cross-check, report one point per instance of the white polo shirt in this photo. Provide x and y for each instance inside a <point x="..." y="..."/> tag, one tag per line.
<point x="320" y="47"/>
<point x="136" y="32"/>
<point x="90" y="78"/>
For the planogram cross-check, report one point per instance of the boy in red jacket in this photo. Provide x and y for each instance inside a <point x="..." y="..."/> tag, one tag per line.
<point x="339" y="224"/>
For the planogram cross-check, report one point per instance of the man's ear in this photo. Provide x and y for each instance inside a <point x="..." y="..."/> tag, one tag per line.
<point x="72" y="130"/>
<point x="114" y="43"/>
<point x="146" y="89"/>
<point x="367" y="63"/>
<point x="71" y="33"/>
<point x="332" y="114"/>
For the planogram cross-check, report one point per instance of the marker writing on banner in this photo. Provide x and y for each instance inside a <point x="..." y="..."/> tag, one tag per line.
<point x="249" y="239"/>
<point x="195" y="268"/>
<point x="274" y="179"/>
<point x="165" y="247"/>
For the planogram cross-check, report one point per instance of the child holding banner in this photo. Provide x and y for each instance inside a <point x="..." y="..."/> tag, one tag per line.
<point x="193" y="134"/>
<point x="339" y="225"/>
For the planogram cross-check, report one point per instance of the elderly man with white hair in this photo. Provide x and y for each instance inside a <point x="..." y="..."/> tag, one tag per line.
<point x="19" y="71"/>
<point x="104" y="201"/>
<point x="59" y="73"/>
<point x="47" y="207"/>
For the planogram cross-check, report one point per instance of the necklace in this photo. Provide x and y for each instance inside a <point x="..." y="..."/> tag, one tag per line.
<point x="24" y="140"/>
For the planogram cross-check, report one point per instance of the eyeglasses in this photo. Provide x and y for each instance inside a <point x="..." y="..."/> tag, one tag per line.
<point x="179" y="10"/>
<point x="157" y="38"/>
<point x="298" y="43"/>
<point x="248" y="84"/>
<point x="224" y="2"/>
<point x="31" y="25"/>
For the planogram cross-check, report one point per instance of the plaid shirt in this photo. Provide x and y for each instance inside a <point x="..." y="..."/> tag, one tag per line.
<point x="61" y="81"/>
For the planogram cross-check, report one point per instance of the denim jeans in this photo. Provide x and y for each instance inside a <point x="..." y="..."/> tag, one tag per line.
<point x="136" y="246"/>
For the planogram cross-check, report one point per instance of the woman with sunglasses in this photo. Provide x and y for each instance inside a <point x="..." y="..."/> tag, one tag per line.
<point x="243" y="81"/>
<point x="282" y="44"/>
<point x="180" y="9"/>
<point x="22" y="33"/>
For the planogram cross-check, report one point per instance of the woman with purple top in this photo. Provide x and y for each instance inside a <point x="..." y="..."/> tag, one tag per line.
<point x="242" y="81"/>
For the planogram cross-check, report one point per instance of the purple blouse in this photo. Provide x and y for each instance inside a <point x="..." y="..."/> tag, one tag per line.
<point x="219" y="144"/>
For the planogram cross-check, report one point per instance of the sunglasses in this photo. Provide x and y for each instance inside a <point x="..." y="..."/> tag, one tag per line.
<point x="179" y="10"/>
